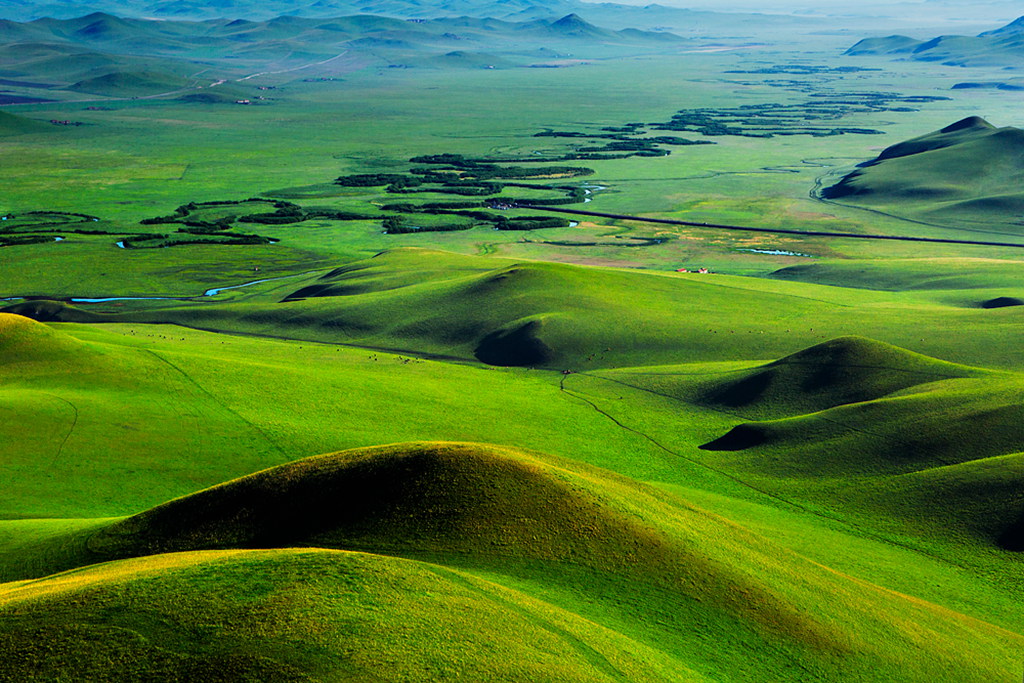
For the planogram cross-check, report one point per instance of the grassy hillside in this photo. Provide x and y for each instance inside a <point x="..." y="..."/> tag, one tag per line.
<point x="967" y="173"/>
<point x="837" y="372"/>
<point x="314" y="614"/>
<point x="533" y="314"/>
<point x="548" y="533"/>
<point x="518" y="519"/>
<point x="595" y="466"/>
<point x="129" y="84"/>
<point x="12" y="124"/>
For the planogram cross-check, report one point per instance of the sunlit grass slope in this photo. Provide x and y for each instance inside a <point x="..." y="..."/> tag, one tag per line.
<point x="27" y="345"/>
<point x="146" y="413"/>
<point x="968" y="282"/>
<point x="660" y="570"/>
<point x="932" y="425"/>
<point x="919" y="446"/>
<point x="939" y="464"/>
<point x="299" y="615"/>
<point x="966" y="175"/>
<point x="527" y="313"/>
<point x="906" y="443"/>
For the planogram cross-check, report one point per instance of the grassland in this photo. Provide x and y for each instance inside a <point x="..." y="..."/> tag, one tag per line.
<point x="549" y="529"/>
<point x="345" y="452"/>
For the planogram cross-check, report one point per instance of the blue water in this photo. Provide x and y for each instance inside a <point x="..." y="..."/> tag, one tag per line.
<point x="777" y="252"/>
<point x="126" y="298"/>
<point x="209" y="292"/>
<point x="215" y="292"/>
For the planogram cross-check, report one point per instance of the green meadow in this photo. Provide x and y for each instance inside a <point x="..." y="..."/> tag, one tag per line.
<point x="320" y="387"/>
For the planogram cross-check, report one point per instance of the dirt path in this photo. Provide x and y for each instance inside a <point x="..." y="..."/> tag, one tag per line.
<point x="297" y="68"/>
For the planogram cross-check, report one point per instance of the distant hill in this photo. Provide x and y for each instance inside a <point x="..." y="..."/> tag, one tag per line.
<point x="1001" y="47"/>
<point x="969" y="173"/>
<point x="103" y="54"/>
<point x="130" y="84"/>
<point x="12" y="124"/>
<point x="614" y="15"/>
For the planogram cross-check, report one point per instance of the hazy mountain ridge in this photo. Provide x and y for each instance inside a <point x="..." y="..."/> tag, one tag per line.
<point x="650" y="17"/>
<point x="1001" y="47"/>
<point x="102" y="46"/>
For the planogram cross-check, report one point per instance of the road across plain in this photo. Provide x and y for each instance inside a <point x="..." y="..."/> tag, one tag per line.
<point x="783" y="231"/>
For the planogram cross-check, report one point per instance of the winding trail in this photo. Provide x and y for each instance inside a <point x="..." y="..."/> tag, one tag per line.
<point x="297" y="68"/>
<point x="71" y="428"/>
<point x="206" y="392"/>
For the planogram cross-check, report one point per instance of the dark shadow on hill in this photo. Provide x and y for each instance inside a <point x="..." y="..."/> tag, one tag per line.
<point x="516" y="347"/>
<point x="46" y="311"/>
<point x="740" y="437"/>
<point x="1002" y="302"/>
<point x="1012" y="538"/>
<point x="743" y="392"/>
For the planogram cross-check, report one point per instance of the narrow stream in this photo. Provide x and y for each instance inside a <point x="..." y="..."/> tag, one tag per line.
<point x="208" y="293"/>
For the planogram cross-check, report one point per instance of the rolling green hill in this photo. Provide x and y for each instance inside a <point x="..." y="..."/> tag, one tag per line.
<point x="533" y="314"/>
<point x="129" y="84"/>
<point x="926" y="451"/>
<point x="581" y="545"/>
<point x="24" y="341"/>
<point x="334" y="450"/>
<point x="837" y="372"/>
<point x="314" y="614"/>
<point x="12" y="124"/>
<point x="968" y="174"/>
<point x="968" y="282"/>
<point x="495" y="531"/>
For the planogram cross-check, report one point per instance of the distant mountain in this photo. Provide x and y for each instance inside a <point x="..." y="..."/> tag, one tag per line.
<point x="268" y="9"/>
<point x="113" y="56"/>
<point x="968" y="173"/>
<point x="612" y="15"/>
<point x="1015" y="26"/>
<point x="1001" y="47"/>
<point x="219" y="37"/>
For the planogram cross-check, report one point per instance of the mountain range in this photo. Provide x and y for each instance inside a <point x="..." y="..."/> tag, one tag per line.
<point x="1001" y="47"/>
<point x="651" y="16"/>
<point x="145" y="56"/>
